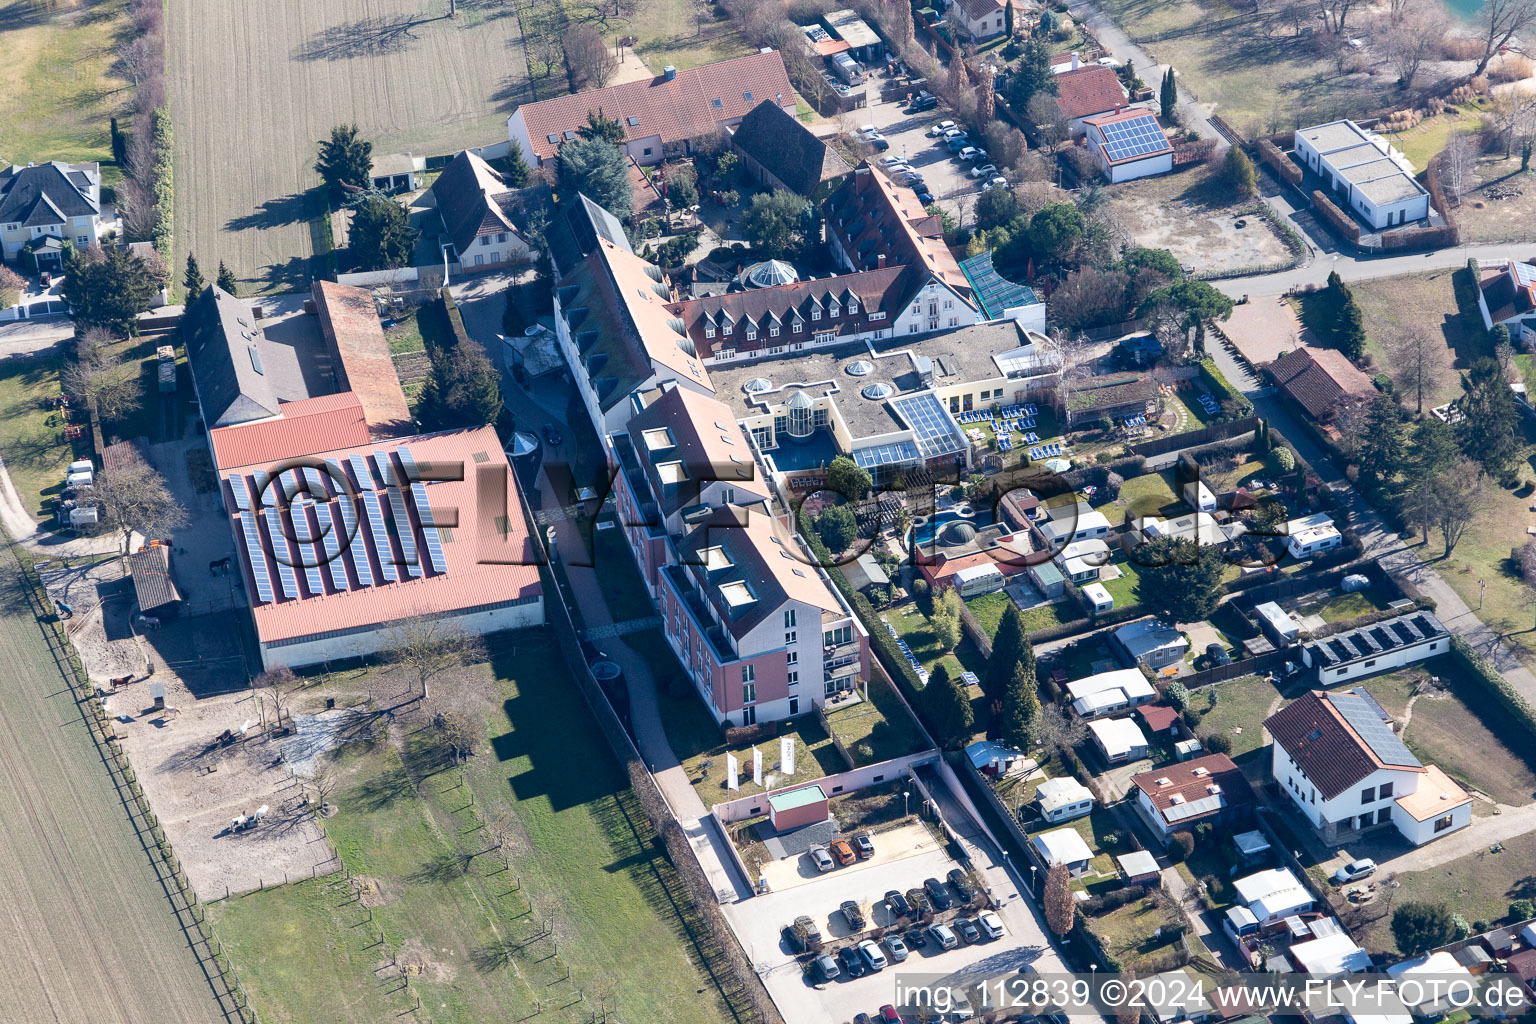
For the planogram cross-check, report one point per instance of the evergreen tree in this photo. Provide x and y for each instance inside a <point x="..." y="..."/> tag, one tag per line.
<point x="1330" y="307"/>
<point x="192" y="283"/>
<point x="1349" y="334"/>
<point x="463" y="390"/>
<point x="226" y="280"/>
<point x="1240" y="172"/>
<point x="1007" y="18"/>
<point x="597" y="170"/>
<point x="949" y="711"/>
<point x="1034" y="75"/>
<point x="1179" y="580"/>
<point x="1021" y="703"/>
<point x="119" y="145"/>
<point x="109" y="287"/>
<point x="1490" y="433"/>
<point x="1383" y="446"/>
<point x="516" y="173"/>
<point x="345" y="161"/>
<point x="1168" y="97"/>
<point x="1433" y="448"/>
<point x="1007" y="648"/>
<point x="381" y="236"/>
<point x="602" y="128"/>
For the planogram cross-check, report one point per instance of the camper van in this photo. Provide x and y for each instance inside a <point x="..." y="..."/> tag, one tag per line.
<point x="975" y="580"/>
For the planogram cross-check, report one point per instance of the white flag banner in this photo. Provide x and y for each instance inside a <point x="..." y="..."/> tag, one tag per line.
<point x="732" y="770"/>
<point x="787" y="755"/>
<point x="757" y="766"/>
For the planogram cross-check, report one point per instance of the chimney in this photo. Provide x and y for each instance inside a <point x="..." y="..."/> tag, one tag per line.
<point x="668" y="73"/>
<point x="880" y="261"/>
<point x="1076" y="63"/>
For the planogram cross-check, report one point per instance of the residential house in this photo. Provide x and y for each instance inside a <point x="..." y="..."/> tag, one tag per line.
<point x="1063" y="846"/>
<point x="1181" y="998"/>
<point x="1196" y="527"/>
<point x="1434" y="999"/>
<point x="619" y="335"/>
<point x="1127" y="144"/>
<point x="778" y="151"/>
<point x="1110" y="693"/>
<point x="479" y="211"/>
<point x="1082" y="560"/>
<point x="1062" y="799"/>
<point x="1139" y="867"/>
<point x="680" y="456"/>
<point x="238" y="373"/>
<point x="1346" y="771"/>
<point x="759" y="629"/>
<point x="1151" y="643"/>
<point x="1092" y="90"/>
<point x="1363" y="170"/>
<point x="1323" y="382"/>
<point x="1312" y="535"/>
<point x="1330" y="955"/>
<point x="979" y="19"/>
<point x="1071" y="525"/>
<point x="1376" y="648"/>
<point x="872" y="224"/>
<point x="661" y="116"/>
<point x="1506" y="294"/>
<point x="1273" y="895"/>
<point x="576" y="230"/>
<point x="42" y="206"/>
<point x="1118" y="739"/>
<point x="862" y="42"/>
<point x="1207" y="790"/>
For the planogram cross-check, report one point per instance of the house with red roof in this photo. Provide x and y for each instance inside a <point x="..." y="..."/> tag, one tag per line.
<point x="661" y="116"/>
<point x="1128" y="144"/>
<point x="1177" y="797"/>
<point x="1323" y="382"/>
<point x="1092" y="90"/>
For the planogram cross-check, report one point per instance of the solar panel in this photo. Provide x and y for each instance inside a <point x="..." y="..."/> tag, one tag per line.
<point x="282" y="554"/>
<point x="1366" y="720"/>
<point x="316" y="481"/>
<point x="380" y="537"/>
<point x="329" y="537"/>
<point x="291" y="484"/>
<point x="360" y="467"/>
<point x="936" y="432"/>
<point x="357" y="549"/>
<point x="242" y="493"/>
<point x="263" y="484"/>
<point x="1132" y="138"/>
<point x="308" y="558"/>
<point x="404" y="532"/>
<point x="260" y="575"/>
<point x="386" y="467"/>
<point x="429" y="530"/>
<point x="337" y="474"/>
<point x="409" y="462"/>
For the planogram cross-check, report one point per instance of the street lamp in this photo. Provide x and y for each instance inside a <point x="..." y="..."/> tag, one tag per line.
<point x="904" y="795"/>
<point x="1032" y="870"/>
<point x="1482" y="585"/>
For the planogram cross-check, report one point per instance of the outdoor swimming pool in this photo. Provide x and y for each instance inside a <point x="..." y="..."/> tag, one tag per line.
<point x="923" y="534"/>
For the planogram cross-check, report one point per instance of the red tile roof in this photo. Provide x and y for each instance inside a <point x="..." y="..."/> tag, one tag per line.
<point x="302" y="428"/>
<point x="683" y="108"/>
<point x="871" y="216"/>
<point x="1159" y="717"/>
<point x="488" y="554"/>
<point x="350" y="324"/>
<point x="1093" y="89"/>
<point x="1324" y="746"/>
<point x="1319" y="378"/>
<point x="1189" y="779"/>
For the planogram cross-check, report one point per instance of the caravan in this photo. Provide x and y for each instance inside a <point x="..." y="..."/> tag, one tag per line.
<point x="974" y="580"/>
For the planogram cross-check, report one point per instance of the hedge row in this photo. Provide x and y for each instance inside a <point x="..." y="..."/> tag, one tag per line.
<point x="1336" y="217"/>
<point x="1217" y="381"/>
<point x="455" y="319"/>
<point x="1279" y="162"/>
<point x="1481" y="671"/>
<point x="162" y="141"/>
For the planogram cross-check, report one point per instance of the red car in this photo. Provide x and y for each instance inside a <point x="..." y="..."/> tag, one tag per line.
<point x="888" y="1014"/>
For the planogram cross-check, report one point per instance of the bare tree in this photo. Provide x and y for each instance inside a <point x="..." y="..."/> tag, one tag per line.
<point x="1460" y="495"/>
<point x="1060" y="907"/>
<point x="700" y="9"/>
<point x="588" y="58"/>
<point x="107" y="381"/>
<point x="461" y="732"/>
<point x="1456" y="162"/>
<point x="428" y="645"/>
<point x="1512" y="117"/>
<point x="1055" y="727"/>
<point x="1334" y="13"/>
<point x="1045" y="115"/>
<point x="132" y="496"/>
<point x="1500" y="21"/>
<point x="1419" y="359"/>
<point x="1414" y="35"/>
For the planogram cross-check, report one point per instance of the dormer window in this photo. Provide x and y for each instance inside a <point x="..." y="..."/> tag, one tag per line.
<point x="834" y="310"/>
<point x="773" y="332"/>
<point x="853" y="306"/>
<point x="751" y="334"/>
<point x="709" y="332"/>
<point x="726" y="328"/>
<point x="815" y="314"/>
<point x="799" y="326"/>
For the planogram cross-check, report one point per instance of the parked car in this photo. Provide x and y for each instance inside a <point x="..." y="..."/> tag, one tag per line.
<point x="964" y="885"/>
<point x="821" y="858"/>
<point x="890" y="160"/>
<point x="1355" y="870"/>
<point x="45" y="279"/>
<point x="940" y="129"/>
<point x="907" y="176"/>
<point x="943" y="936"/>
<point x="853" y="914"/>
<point x="1217" y="654"/>
<point x="937" y="894"/>
<point x="916" y="938"/>
<point x="863" y="1018"/>
<point x="897" y="904"/>
<point x="984" y="171"/>
<point x="868" y="129"/>
<point x="997" y="182"/>
<point x="888" y="1015"/>
<point x="864" y="845"/>
<point x="802" y="934"/>
<point x="852" y="964"/>
<point x="874" y="959"/>
<point x="990" y="924"/>
<point x="826" y="967"/>
<point x="880" y="142"/>
<point x="897" y="948"/>
<point x="843" y="852"/>
<point x="923" y="195"/>
<point x="551" y="435"/>
<point x="968" y="153"/>
<point x="920" y="104"/>
<point x="968" y="930"/>
<point x="918" y="900"/>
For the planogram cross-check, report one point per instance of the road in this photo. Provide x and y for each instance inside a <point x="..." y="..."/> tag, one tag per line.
<point x="89" y="931"/>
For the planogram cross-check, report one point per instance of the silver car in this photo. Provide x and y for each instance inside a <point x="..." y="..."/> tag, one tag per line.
<point x="821" y="858"/>
<point x="897" y="948"/>
<point x="943" y="936"/>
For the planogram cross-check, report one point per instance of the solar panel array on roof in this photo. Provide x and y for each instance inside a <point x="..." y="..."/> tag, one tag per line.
<point x="265" y="485"/>
<point x="1369" y="641"/>
<point x="894" y="453"/>
<point x="1133" y="137"/>
<point x="1365" y="718"/>
<point x="429" y="530"/>
<point x="330" y="537"/>
<point x="356" y="550"/>
<point x="380" y="536"/>
<point x="308" y="557"/>
<point x="386" y="467"/>
<point x="408" y="461"/>
<point x="241" y="492"/>
<point x="316" y="481"/>
<point x="404" y="532"/>
<point x="936" y="433"/>
<point x="360" y="468"/>
<point x="260" y="576"/>
<point x="282" y="554"/>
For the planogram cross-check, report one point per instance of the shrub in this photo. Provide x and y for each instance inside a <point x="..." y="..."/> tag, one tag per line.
<point x="1191" y="716"/>
<point x="1177" y="694"/>
<point x="1114" y="899"/>
<point x="1181" y="846"/>
<point x="1522" y="910"/>
<point x="1216" y="743"/>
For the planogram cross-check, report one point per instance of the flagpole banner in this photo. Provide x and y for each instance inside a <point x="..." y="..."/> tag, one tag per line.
<point x="787" y="755"/>
<point x="731" y="770"/>
<point x="757" y="766"/>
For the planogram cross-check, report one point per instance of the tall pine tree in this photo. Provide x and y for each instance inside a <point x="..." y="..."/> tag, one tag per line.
<point x="227" y="280"/>
<point x="1490" y="432"/>
<point x="1008" y="646"/>
<point x="1168" y="97"/>
<point x="949" y="711"/>
<point x="1021" y="704"/>
<point x="192" y="283"/>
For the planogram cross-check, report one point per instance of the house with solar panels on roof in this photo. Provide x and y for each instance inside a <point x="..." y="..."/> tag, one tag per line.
<point x="1128" y="144"/>
<point x="1338" y="757"/>
<point x="1380" y="647"/>
<point x="1506" y="294"/>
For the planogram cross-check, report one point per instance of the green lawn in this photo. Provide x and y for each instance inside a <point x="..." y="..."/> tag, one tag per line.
<point x="1123" y="587"/>
<point x="1048" y="616"/>
<point x="57" y="90"/>
<point x="32" y="435"/>
<point x="989" y="609"/>
<point x="1339" y="607"/>
<point x="1148" y="494"/>
<point x="1240" y="704"/>
<point x="1427" y="138"/>
<point x="913" y="627"/>
<point x="1130" y="932"/>
<point x="405" y="336"/>
<point x="578" y="851"/>
<point x="669" y="33"/>
<point x="1426" y="302"/>
<point x="815" y="757"/>
<point x="880" y="723"/>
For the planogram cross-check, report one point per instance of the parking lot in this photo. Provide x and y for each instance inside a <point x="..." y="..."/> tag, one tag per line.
<point x="945" y="177"/>
<point x="760" y="922"/>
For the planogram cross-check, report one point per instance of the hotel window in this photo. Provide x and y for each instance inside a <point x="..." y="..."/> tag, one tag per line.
<point x="486" y="240"/>
<point x="879" y="335"/>
<point x="792" y="658"/>
<point x="726" y="328"/>
<point x="953" y="322"/>
<point x="799" y="326"/>
<point x="728" y="495"/>
<point x="949" y="303"/>
<point x="794" y="679"/>
<point x="501" y="237"/>
<point x="840" y="635"/>
<point x="877" y="316"/>
<point x="791" y="637"/>
<point x="834" y="310"/>
<point x="830" y="688"/>
<point x="749" y="716"/>
<point x="748" y="673"/>
<point x="853" y="306"/>
<point x="709" y="332"/>
<point x="789" y="619"/>
<point x="912" y="328"/>
<point x="815" y="314"/>
<point x="751" y="334"/>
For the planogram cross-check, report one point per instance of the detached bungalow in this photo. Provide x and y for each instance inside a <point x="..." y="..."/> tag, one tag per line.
<point x="1063" y="846"/>
<point x="1151" y="643"/>
<point x="1119" y="739"/>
